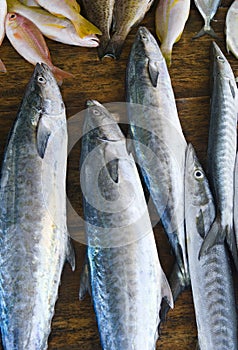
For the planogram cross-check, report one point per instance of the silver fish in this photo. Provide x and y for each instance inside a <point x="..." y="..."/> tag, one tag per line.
<point x="158" y="139"/>
<point x="124" y="267"/>
<point x="222" y="143"/>
<point x="211" y="276"/>
<point x="126" y="14"/>
<point x="207" y="9"/>
<point x="34" y="242"/>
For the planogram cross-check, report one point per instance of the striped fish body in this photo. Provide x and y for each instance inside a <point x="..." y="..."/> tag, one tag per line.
<point x="33" y="234"/>
<point x="157" y="137"/>
<point x="124" y="268"/>
<point x="211" y="276"/>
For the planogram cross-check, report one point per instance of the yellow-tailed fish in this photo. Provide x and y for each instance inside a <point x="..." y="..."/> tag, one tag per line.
<point x="170" y="19"/>
<point x="3" y="13"/>
<point x="231" y="29"/>
<point x="71" y="10"/>
<point x="55" y="28"/>
<point x="126" y="14"/>
<point x="28" y="41"/>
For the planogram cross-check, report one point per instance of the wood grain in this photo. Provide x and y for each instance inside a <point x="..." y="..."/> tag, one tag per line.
<point x="74" y="325"/>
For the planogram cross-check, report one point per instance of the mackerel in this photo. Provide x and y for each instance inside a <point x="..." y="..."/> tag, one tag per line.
<point x="126" y="279"/>
<point x="34" y="242"/>
<point x="158" y="138"/>
<point x="211" y="276"/>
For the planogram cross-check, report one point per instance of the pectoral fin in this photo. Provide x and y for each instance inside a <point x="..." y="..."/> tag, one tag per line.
<point x="153" y="72"/>
<point x="42" y="137"/>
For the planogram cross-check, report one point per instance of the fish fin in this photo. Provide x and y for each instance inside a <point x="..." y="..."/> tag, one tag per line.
<point x="54" y="25"/>
<point x="153" y="72"/>
<point x="60" y="74"/>
<point x="84" y="281"/>
<point x="70" y="254"/>
<point x="2" y="67"/>
<point x="214" y="236"/>
<point x="114" y="47"/>
<point x="84" y="28"/>
<point x="232" y="245"/>
<point x="166" y="292"/>
<point x="204" y="31"/>
<point x="104" y="40"/>
<point x="42" y="137"/>
<point x="178" y="283"/>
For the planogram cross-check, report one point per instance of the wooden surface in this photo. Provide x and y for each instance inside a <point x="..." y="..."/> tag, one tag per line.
<point x="74" y="325"/>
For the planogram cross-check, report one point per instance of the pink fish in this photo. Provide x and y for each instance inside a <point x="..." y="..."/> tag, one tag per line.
<point x="28" y="41"/>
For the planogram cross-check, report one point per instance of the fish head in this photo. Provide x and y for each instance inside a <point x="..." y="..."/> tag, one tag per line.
<point x="43" y="93"/>
<point x="99" y="119"/>
<point x="220" y="64"/>
<point x="145" y="45"/>
<point x="13" y="20"/>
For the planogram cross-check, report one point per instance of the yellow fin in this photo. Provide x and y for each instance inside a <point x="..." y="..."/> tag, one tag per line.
<point x="84" y="28"/>
<point x="54" y="25"/>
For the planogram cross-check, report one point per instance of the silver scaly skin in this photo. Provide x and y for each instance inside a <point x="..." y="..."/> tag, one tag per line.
<point x="126" y="279"/>
<point x="211" y="276"/>
<point x="207" y="9"/>
<point x="221" y="155"/>
<point x="155" y="126"/>
<point x="34" y="241"/>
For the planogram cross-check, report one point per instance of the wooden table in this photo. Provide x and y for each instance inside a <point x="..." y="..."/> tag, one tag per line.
<point x="74" y="325"/>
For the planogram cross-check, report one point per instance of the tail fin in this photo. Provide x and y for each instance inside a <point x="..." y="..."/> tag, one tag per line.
<point x="104" y="39"/>
<point x="206" y="30"/>
<point x="2" y="67"/>
<point x="60" y="74"/>
<point x="167" y="53"/>
<point x="114" y="47"/>
<point x="84" y="28"/>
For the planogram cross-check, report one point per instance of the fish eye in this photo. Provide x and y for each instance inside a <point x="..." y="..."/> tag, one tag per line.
<point x="198" y="174"/>
<point x="96" y="112"/>
<point x="41" y="80"/>
<point x="143" y="37"/>
<point x="221" y="59"/>
<point x="13" y="16"/>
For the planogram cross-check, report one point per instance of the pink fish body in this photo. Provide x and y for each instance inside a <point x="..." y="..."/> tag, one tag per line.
<point x="170" y="19"/>
<point x="3" y="13"/>
<point x="28" y="41"/>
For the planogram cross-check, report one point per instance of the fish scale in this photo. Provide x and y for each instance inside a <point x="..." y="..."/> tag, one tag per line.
<point x="211" y="276"/>
<point x="222" y="143"/>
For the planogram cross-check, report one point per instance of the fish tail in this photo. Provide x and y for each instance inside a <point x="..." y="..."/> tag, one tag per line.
<point x="206" y="30"/>
<point x="114" y="47"/>
<point x="104" y="39"/>
<point x="2" y="67"/>
<point x="167" y="53"/>
<point x="84" y="28"/>
<point x="60" y="74"/>
<point x="178" y="283"/>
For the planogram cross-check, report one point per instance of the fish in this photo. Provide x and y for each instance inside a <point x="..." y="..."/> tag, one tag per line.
<point x="3" y="13"/>
<point x="211" y="276"/>
<point x="34" y="242"/>
<point x="71" y="10"/>
<point x="31" y="3"/>
<point x="122" y="258"/>
<point x="231" y="28"/>
<point x="158" y="139"/>
<point x="126" y="15"/>
<point x="221" y="153"/>
<point x="54" y="28"/>
<point x="100" y="14"/>
<point x="28" y="41"/>
<point x="170" y="19"/>
<point x="207" y="9"/>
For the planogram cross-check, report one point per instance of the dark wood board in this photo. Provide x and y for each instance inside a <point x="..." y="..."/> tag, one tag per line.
<point x="74" y="325"/>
